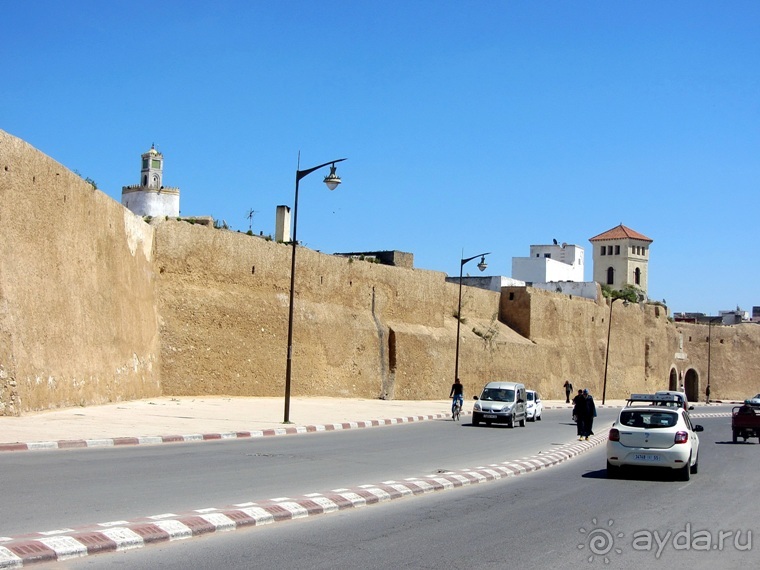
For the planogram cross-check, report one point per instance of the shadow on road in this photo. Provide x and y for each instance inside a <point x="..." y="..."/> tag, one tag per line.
<point x="636" y="474"/>
<point x="490" y="426"/>
<point x="598" y="474"/>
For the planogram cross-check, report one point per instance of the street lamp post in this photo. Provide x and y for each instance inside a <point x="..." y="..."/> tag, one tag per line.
<point x="709" y="345"/>
<point x="482" y="266"/>
<point x="607" y="355"/>
<point x="331" y="180"/>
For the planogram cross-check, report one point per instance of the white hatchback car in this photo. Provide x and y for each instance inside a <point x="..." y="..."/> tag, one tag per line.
<point x="653" y="430"/>
<point x="534" y="410"/>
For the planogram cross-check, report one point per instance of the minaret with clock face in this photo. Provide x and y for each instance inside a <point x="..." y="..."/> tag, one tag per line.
<point x="152" y="168"/>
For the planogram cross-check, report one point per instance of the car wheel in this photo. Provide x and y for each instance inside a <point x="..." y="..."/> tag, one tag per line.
<point x="475" y="419"/>
<point x="511" y="422"/>
<point x="695" y="468"/>
<point x="522" y="422"/>
<point x="684" y="473"/>
<point x="613" y="472"/>
<point x="736" y="435"/>
<point x="538" y="419"/>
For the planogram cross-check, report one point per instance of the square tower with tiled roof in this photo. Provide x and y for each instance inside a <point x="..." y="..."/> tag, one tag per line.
<point x="621" y="257"/>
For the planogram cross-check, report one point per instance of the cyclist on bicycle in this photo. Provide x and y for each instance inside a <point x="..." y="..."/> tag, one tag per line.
<point x="457" y="395"/>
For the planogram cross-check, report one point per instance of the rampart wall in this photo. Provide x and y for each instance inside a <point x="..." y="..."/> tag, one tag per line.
<point x="96" y="305"/>
<point x="78" y="305"/>
<point x="361" y="329"/>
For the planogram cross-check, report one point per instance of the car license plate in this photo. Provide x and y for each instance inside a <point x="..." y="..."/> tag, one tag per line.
<point x="646" y="457"/>
<point x="489" y="415"/>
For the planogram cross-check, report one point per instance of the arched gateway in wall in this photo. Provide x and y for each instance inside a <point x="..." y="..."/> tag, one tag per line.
<point x="691" y="383"/>
<point x="673" y="380"/>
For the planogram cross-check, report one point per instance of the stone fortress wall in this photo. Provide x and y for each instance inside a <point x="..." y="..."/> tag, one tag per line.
<point x="78" y="303"/>
<point x="98" y="306"/>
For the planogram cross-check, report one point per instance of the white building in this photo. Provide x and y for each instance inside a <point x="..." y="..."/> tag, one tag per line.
<point x="151" y="197"/>
<point x="557" y="268"/>
<point x="734" y="317"/>
<point x="491" y="283"/>
<point x="550" y="264"/>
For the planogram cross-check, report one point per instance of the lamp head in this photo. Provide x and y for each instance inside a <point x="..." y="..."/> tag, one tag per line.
<point x="482" y="265"/>
<point x="332" y="180"/>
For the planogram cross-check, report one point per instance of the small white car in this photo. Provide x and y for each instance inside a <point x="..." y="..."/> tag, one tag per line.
<point x="754" y="400"/>
<point x="653" y="432"/>
<point x="534" y="409"/>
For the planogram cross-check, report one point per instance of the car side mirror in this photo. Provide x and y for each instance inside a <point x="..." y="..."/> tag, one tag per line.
<point x="699" y="428"/>
<point x="474" y="397"/>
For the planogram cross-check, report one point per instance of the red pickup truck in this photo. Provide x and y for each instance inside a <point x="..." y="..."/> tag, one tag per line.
<point x="745" y="422"/>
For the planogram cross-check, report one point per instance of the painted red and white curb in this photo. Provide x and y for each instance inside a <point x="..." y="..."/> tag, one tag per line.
<point x="153" y="440"/>
<point x="63" y="544"/>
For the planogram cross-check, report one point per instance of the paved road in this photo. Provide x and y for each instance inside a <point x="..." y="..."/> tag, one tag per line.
<point x="556" y="518"/>
<point x="49" y="490"/>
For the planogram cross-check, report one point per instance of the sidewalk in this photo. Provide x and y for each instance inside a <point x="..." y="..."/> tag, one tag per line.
<point x="168" y="419"/>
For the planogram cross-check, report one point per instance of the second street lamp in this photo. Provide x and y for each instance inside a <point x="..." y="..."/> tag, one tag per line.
<point x="332" y="180"/>
<point x="710" y="322"/>
<point x="482" y="266"/>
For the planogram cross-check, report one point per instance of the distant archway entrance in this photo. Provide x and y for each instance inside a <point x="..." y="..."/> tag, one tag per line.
<point x="673" y="380"/>
<point x="691" y="383"/>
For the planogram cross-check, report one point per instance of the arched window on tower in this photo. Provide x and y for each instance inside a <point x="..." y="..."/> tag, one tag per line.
<point x="637" y="276"/>
<point x="610" y="276"/>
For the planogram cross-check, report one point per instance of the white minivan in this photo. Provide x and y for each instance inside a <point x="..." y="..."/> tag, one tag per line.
<point x="500" y="402"/>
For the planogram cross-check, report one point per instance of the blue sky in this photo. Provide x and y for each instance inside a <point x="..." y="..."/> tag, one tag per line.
<point x="468" y="126"/>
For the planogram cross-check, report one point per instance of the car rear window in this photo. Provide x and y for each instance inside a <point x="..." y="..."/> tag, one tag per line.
<point x="648" y="419"/>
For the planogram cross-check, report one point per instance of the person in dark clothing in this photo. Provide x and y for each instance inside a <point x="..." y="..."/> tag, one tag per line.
<point x="457" y="395"/>
<point x="568" y="391"/>
<point x="578" y="403"/>
<point x="588" y="412"/>
<point x="707" y="394"/>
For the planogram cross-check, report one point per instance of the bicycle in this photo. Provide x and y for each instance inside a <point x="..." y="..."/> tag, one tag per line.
<point x="456" y="411"/>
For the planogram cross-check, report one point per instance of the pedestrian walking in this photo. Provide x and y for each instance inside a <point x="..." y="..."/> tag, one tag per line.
<point x="588" y="412"/>
<point x="568" y="390"/>
<point x="579" y="403"/>
<point x="707" y="394"/>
